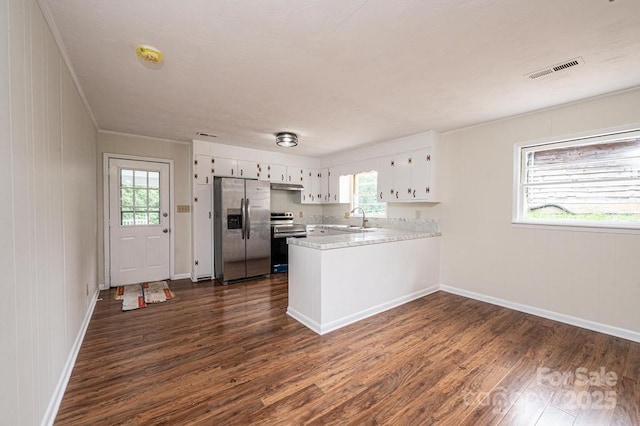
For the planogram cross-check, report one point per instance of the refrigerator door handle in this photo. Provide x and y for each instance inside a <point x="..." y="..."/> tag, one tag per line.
<point x="242" y="217"/>
<point x="248" y="228"/>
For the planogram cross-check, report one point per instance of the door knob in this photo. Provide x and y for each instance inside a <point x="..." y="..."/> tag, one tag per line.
<point x="165" y="230"/>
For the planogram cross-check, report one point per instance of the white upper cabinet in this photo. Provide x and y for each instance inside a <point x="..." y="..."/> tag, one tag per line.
<point x="386" y="190"/>
<point x="247" y="169"/>
<point x="333" y="186"/>
<point x="263" y="171"/>
<point x="311" y="183"/>
<point x="295" y="175"/>
<point x="402" y="176"/>
<point x="408" y="176"/>
<point x="277" y="173"/>
<point x="421" y="175"/>
<point x="224" y="167"/>
<point x="202" y="169"/>
<point x="323" y="176"/>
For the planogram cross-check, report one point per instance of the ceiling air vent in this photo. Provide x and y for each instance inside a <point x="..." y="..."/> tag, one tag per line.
<point x="555" y="68"/>
<point x="206" y="134"/>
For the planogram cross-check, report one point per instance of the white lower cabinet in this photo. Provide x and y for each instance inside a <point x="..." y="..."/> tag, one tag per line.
<point x="202" y="235"/>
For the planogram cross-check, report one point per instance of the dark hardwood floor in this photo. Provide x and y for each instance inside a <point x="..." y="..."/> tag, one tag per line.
<point x="230" y="355"/>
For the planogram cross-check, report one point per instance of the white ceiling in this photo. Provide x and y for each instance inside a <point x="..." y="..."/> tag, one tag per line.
<point x="340" y="73"/>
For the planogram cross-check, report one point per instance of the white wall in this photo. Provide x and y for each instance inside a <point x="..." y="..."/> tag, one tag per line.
<point x="48" y="244"/>
<point x="179" y="152"/>
<point x="593" y="276"/>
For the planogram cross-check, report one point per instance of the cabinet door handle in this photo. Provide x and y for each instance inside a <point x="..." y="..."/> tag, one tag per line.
<point x="241" y="172"/>
<point x="381" y="195"/>
<point x="427" y="189"/>
<point x="409" y="191"/>
<point x="428" y="158"/>
<point x="231" y="172"/>
<point x="195" y="176"/>
<point x="414" y="193"/>
<point x="207" y="179"/>
<point x="396" y="195"/>
<point x="282" y="177"/>
<point x="289" y="178"/>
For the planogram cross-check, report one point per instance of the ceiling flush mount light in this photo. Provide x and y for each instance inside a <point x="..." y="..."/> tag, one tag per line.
<point x="286" y="139"/>
<point x="150" y="55"/>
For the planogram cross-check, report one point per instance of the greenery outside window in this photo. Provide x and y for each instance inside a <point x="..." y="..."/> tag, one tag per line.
<point x="365" y="194"/>
<point x="592" y="181"/>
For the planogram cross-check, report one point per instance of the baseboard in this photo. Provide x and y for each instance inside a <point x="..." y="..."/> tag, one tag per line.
<point x="181" y="276"/>
<point x="61" y="386"/>
<point x="567" y="319"/>
<point x="366" y="313"/>
<point x="303" y="319"/>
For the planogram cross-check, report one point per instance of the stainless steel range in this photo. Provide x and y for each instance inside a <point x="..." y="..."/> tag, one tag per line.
<point x="282" y="227"/>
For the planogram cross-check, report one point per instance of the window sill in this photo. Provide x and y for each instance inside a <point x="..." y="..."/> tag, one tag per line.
<point x="610" y="228"/>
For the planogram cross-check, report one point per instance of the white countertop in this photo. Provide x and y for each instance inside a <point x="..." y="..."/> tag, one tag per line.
<point x="356" y="238"/>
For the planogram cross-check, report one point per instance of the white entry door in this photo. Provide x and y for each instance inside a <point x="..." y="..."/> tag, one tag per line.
<point x="138" y="221"/>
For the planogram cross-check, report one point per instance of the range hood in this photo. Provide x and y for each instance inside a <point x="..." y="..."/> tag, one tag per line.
<point x="287" y="186"/>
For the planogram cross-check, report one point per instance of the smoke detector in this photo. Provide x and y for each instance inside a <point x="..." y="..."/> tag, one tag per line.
<point x="555" y="68"/>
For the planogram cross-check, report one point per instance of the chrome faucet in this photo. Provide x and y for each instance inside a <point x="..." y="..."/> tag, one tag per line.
<point x="364" y="219"/>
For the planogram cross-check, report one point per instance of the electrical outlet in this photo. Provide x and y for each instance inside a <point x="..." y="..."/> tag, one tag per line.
<point x="183" y="208"/>
<point x="301" y="213"/>
<point x="346" y="215"/>
<point x="87" y="289"/>
<point x="418" y="214"/>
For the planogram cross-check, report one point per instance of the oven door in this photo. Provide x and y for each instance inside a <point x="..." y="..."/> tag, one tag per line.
<point x="280" y="250"/>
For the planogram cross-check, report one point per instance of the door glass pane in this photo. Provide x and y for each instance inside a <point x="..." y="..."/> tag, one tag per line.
<point x="154" y="198"/>
<point x="141" y="217"/>
<point x="141" y="178"/>
<point x="154" y="218"/>
<point x="139" y="198"/>
<point x="126" y="197"/>
<point x="154" y="180"/>
<point x="126" y="178"/>
<point x="127" y="218"/>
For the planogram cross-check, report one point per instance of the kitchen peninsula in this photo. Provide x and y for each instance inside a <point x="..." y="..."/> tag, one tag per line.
<point x="339" y="279"/>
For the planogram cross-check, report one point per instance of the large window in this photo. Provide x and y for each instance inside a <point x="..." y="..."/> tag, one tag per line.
<point x="365" y="194"/>
<point x="590" y="181"/>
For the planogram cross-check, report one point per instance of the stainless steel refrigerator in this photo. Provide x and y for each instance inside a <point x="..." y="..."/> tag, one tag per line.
<point x="242" y="233"/>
